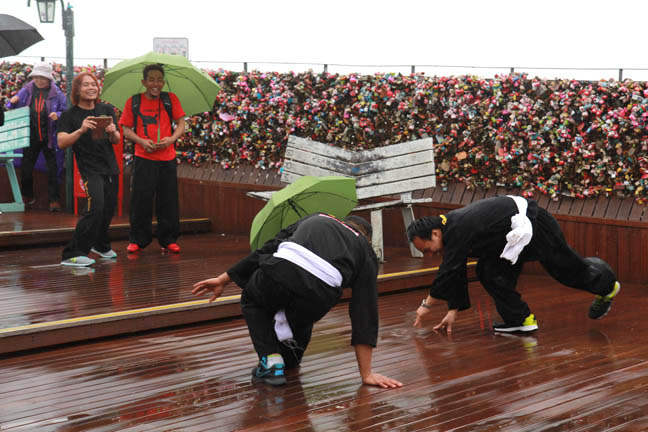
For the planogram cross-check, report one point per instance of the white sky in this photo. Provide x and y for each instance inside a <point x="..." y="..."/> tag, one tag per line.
<point x="492" y="33"/>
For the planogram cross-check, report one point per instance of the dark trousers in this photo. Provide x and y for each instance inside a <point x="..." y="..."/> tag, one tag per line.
<point x="30" y="156"/>
<point x="92" y="228"/>
<point x="154" y="182"/>
<point x="261" y="299"/>
<point x="499" y="277"/>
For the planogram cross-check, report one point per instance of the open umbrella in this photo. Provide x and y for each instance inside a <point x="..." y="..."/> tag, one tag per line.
<point x="195" y="89"/>
<point x="16" y="35"/>
<point x="333" y="195"/>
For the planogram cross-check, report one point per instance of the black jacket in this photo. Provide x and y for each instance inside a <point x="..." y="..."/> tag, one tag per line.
<point x="477" y="230"/>
<point x="342" y="247"/>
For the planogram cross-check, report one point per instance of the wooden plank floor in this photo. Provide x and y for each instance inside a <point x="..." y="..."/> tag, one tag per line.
<point x="45" y="303"/>
<point x="39" y="227"/>
<point x="574" y="374"/>
<point x="38" y="289"/>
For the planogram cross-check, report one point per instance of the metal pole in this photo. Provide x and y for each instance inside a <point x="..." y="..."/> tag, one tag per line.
<point x="68" y="28"/>
<point x="620" y="75"/>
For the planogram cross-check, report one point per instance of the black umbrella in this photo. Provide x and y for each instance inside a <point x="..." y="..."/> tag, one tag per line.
<point x="16" y="35"/>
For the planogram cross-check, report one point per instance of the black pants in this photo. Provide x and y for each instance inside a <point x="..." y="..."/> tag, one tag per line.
<point x="30" y="156"/>
<point x="92" y="229"/>
<point x="154" y="181"/>
<point x="262" y="298"/>
<point x="499" y="277"/>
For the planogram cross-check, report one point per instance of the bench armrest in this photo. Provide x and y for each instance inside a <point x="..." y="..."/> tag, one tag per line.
<point x="265" y="195"/>
<point x="380" y="205"/>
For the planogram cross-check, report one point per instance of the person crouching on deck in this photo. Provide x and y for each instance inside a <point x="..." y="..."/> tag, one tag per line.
<point x="504" y="232"/>
<point x="293" y="280"/>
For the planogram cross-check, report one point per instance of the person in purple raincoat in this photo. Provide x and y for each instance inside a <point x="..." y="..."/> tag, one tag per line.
<point x="46" y="102"/>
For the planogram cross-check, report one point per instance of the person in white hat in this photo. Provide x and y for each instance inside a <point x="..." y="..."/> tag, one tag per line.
<point x="46" y="102"/>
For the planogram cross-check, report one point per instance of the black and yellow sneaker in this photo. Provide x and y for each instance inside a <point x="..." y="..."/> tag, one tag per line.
<point x="273" y="375"/>
<point x="529" y="324"/>
<point x="602" y="304"/>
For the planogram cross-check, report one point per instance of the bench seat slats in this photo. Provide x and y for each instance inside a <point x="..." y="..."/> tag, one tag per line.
<point x="395" y="187"/>
<point x="390" y="171"/>
<point x="317" y="161"/>
<point x="327" y="150"/>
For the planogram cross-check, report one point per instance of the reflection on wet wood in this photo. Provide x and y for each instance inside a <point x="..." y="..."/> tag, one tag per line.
<point x="45" y="303"/>
<point x="574" y="374"/>
<point x="38" y="289"/>
<point x="40" y="228"/>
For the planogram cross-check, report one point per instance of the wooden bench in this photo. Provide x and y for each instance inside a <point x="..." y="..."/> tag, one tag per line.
<point x="393" y="171"/>
<point x="14" y="134"/>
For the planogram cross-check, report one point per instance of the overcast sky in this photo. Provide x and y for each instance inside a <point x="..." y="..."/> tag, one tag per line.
<point x="490" y="33"/>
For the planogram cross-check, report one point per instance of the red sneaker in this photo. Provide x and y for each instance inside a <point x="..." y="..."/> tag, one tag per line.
<point x="173" y="248"/>
<point x="132" y="248"/>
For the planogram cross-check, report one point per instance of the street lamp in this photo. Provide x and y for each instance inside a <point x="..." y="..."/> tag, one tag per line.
<point x="46" y="9"/>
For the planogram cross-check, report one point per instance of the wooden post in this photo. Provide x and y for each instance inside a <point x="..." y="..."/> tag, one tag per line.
<point x="377" y="236"/>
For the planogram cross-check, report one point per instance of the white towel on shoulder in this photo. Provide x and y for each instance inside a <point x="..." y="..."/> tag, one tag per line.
<point x="521" y="231"/>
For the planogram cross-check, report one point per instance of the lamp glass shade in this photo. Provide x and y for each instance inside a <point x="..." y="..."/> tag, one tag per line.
<point x="46" y="10"/>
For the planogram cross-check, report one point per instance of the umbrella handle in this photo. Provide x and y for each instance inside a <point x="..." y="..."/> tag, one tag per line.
<point x="297" y="208"/>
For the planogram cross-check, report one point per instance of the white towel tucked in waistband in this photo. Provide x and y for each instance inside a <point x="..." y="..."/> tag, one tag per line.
<point x="281" y="326"/>
<point x="521" y="231"/>
<point x="311" y="262"/>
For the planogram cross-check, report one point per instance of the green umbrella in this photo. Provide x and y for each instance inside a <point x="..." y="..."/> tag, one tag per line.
<point x="195" y="89"/>
<point x="333" y="195"/>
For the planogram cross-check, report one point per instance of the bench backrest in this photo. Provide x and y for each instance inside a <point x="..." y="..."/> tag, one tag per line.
<point x="394" y="169"/>
<point x="14" y="134"/>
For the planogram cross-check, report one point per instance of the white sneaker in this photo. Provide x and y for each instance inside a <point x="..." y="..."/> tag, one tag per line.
<point x="110" y="254"/>
<point x="80" y="261"/>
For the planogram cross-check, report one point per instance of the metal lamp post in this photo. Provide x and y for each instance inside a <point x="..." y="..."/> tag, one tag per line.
<point x="46" y="9"/>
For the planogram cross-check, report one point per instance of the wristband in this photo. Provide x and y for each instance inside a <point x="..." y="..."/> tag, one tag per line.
<point x="423" y="304"/>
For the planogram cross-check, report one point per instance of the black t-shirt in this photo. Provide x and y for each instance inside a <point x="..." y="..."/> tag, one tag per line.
<point x="93" y="156"/>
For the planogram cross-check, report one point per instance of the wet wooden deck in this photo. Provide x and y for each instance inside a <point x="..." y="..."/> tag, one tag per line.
<point x="45" y="303"/>
<point x="39" y="227"/>
<point x="574" y="374"/>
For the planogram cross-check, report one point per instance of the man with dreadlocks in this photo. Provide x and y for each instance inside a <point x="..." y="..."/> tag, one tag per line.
<point x="504" y="232"/>
<point x="294" y="279"/>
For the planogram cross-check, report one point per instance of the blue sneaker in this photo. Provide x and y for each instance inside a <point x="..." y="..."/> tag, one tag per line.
<point x="273" y="375"/>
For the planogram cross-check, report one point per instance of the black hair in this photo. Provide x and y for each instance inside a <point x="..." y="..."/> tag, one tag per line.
<point x="423" y="227"/>
<point x="360" y="224"/>
<point x="152" y="67"/>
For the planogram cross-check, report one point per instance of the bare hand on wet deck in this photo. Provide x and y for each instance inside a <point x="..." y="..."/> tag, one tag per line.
<point x="215" y="285"/>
